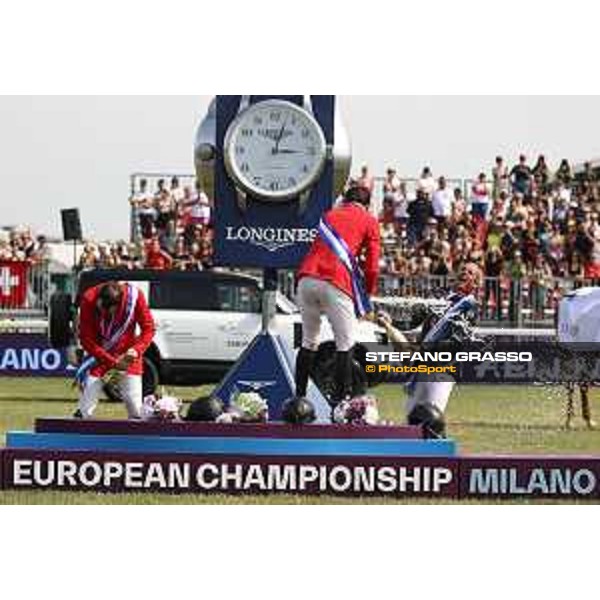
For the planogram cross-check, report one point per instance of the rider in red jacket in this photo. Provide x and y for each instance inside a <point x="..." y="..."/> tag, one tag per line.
<point x="360" y="230"/>
<point x="115" y="328"/>
<point x="325" y="286"/>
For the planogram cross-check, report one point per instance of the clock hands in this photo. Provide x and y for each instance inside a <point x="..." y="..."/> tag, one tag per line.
<point x="279" y="138"/>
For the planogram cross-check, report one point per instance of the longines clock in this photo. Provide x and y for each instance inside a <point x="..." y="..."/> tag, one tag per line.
<point x="273" y="165"/>
<point x="275" y="151"/>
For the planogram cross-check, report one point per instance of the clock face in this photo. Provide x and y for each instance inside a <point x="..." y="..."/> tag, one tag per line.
<point x="275" y="150"/>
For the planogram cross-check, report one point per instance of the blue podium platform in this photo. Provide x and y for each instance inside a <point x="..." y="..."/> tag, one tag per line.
<point x="248" y="446"/>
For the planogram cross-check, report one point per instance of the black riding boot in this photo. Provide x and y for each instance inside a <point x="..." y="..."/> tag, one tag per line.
<point x="343" y="377"/>
<point x="304" y="366"/>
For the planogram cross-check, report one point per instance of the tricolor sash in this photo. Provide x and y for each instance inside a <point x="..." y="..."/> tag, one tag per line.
<point x="112" y="333"/>
<point x="362" y="302"/>
<point x="440" y="331"/>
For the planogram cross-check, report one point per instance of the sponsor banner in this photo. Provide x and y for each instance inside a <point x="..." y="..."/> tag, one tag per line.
<point x="468" y="478"/>
<point x="108" y="472"/>
<point x="268" y="235"/>
<point x="548" y="478"/>
<point x="30" y="355"/>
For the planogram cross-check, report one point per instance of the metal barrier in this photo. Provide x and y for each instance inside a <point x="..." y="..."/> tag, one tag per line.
<point x="519" y="302"/>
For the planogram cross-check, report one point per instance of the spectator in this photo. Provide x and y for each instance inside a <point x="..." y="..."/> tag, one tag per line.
<point x="494" y="268"/>
<point x="521" y="177"/>
<point x="167" y="213"/>
<point x="145" y="210"/>
<point x="419" y="213"/>
<point x="197" y="212"/>
<point x="541" y="174"/>
<point x="442" y="202"/>
<point x="88" y="258"/>
<point x="426" y="182"/>
<point x="508" y="241"/>
<point x="587" y="176"/>
<point x="500" y="177"/>
<point x="366" y="180"/>
<point x="459" y="206"/>
<point x="391" y="185"/>
<point x="176" y="191"/>
<point x="540" y="285"/>
<point x="564" y="174"/>
<point x="157" y="258"/>
<point x="480" y="198"/>
<point x="592" y="256"/>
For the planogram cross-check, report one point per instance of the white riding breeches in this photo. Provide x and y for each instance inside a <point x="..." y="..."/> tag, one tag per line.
<point x="317" y="298"/>
<point x="130" y="390"/>
<point x="435" y="393"/>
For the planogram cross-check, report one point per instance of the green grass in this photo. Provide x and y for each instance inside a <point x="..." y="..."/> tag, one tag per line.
<point x="483" y="419"/>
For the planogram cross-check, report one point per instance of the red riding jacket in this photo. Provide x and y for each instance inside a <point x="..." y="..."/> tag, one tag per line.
<point x="90" y="318"/>
<point x="360" y="230"/>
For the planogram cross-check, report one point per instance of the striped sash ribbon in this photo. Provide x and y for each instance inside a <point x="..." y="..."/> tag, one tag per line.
<point x="362" y="302"/>
<point x="440" y="331"/>
<point x="112" y="337"/>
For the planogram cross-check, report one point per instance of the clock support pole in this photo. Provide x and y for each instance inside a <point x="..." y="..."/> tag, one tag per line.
<point x="269" y="237"/>
<point x="269" y="298"/>
<point x="267" y="366"/>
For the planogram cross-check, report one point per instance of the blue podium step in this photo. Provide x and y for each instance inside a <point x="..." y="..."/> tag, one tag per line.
<point x="231" y="446"/>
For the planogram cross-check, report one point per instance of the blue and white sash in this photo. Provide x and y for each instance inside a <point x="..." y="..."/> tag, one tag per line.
<point x="111" y="333"/>
<point x="443" y="328"/>
<point x="362" y="302"/>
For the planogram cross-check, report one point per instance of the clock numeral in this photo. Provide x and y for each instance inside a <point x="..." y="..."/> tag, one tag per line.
<point x="258" y="120"/>
<point x="244" y="167"/>
<point x="305" y="133"/>
<point x="240" y="150"/>
<point x="275" y="116"/>
<point x="274" y="186"/>
<point x="247" y="133"/>
<point x="305" y="168"/>
<point x="292" y="181"/>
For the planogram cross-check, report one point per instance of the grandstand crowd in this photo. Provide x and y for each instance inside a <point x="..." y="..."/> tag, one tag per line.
<point x="173" y="231"/>
<point x="527" y="226"/>
<point x="19" y="244"/>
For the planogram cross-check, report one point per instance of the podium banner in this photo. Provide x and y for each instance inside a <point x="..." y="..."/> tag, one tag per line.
<point x="30" y="355"/>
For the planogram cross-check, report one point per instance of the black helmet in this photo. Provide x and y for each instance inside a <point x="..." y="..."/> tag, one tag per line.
<point x="205" y="410"/>
<point x="359" y="194"/>
<point x="298" y="411"/>
<point x="430" y="418"/>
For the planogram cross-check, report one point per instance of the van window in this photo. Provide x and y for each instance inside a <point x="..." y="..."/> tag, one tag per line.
<point x="181" y="295"/>
<point x="238" y="297"/>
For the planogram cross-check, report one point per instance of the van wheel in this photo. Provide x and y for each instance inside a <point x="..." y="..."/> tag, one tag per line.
<point x="324" y="374"/>
<point x="60" y="321"/>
